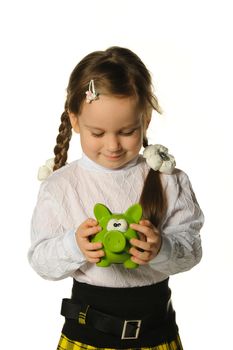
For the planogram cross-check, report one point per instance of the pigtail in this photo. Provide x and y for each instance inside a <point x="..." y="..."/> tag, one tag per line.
<point x="63" y="140"/>
<point x="153" y="199"/>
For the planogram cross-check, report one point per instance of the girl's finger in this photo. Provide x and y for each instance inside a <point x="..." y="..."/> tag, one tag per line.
<point x="146" y="223"/>
<point x="138" y="261"/>
<point x="92" y="246"/>
<point x="144" y="256"/>
<point x="95" y="254"/>
<point x="91" y="222"/>
<point x="93" y="260"/>
<point x="140" y="244"/>
<point x="147" y="231"/>
<point x="84" y="233"/>
<point x="88" y="223"/>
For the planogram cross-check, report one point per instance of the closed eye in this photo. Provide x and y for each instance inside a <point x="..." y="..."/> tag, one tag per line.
<point x="128" y="133"/>
<point x="122" y="133"/>
<point x="97" y="135"/>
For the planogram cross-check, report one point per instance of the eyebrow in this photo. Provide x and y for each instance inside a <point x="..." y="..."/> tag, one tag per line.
<point x="92" y="127"/>
<point x="125" y="127"/>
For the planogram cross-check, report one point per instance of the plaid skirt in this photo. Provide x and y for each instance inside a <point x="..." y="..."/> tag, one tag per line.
<point x="67" y="344"/>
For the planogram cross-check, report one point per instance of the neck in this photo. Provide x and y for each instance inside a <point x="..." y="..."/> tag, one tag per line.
<point x="92" y="165"/>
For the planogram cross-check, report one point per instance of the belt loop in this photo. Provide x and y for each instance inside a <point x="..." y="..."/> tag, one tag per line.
<point x="82" y="316"/>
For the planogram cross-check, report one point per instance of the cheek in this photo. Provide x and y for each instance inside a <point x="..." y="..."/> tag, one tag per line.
<point x="89" y="143"/>
<point x="136" y="140"/>
<point x="132" y="145"/>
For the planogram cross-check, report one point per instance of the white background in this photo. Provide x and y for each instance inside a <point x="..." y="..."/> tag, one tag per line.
<point x="187" y="45"/>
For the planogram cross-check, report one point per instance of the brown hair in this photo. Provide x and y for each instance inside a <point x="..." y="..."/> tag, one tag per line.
<point x="120" y="72"/>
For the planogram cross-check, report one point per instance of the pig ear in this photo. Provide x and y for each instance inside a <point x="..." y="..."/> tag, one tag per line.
<point x="101" y="211"/>
<point x="134" y="212"/>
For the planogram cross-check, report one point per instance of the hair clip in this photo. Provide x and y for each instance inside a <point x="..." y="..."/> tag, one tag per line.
<point x="91" y="94"/>
<point x="157" y="158"/>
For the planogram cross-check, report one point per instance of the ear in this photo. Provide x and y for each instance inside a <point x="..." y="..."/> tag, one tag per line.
<point x="74" y="121"/>
<point x="146" y="123"/>
<point x="134" y="212"/>
<point x="147" y="120"/>
<point x="101" y="211"/>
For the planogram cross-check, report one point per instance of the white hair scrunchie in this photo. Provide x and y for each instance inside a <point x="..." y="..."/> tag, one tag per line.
<point x="158" y="158"/>
<point x="46" y="169"/>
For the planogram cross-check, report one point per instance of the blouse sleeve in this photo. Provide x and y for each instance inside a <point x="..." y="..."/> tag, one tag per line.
<point x="181" y="243"/>
<point x="54" y="253"/>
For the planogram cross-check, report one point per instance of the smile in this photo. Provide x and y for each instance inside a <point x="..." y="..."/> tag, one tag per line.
<point x="114" y="157"/>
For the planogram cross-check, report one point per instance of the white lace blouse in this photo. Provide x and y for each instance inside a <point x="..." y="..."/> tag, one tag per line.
<point x="67" y="198"/>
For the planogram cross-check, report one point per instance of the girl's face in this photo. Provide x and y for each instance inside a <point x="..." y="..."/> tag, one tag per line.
<point x="111" y="130"/>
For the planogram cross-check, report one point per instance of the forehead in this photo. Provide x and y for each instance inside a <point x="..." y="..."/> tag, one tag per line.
<point x="110" y="109"/>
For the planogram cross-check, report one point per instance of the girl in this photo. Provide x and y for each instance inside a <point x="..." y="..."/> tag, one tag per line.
<point x="109" y="103"/>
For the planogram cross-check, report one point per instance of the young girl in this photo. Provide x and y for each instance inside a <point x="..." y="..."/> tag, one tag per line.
<point x="109" y="103"/>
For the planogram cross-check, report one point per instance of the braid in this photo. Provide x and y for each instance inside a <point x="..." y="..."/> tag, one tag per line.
<point x="63" y="140"/>
<point x="153" y="198"/>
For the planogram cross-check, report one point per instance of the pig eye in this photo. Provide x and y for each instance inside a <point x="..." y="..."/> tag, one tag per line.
<point x="117" y="225"/>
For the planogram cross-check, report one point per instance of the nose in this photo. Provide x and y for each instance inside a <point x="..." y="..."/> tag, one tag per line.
<point x="113" y="143"/>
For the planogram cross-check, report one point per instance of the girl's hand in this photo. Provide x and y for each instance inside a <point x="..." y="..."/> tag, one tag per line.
<point x="148" y="246"/>
<point x="83" y="234"/>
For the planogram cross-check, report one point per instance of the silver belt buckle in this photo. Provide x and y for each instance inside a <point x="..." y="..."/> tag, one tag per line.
<point x="137" y="329"/>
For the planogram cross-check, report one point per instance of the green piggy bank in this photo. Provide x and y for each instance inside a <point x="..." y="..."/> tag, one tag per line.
<point x="115" y="234"/>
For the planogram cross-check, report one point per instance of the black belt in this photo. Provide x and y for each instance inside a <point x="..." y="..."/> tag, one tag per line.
<point x="125" y="329"/>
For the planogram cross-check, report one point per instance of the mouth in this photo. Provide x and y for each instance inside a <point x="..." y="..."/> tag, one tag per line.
<point x="113" y="156"/>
